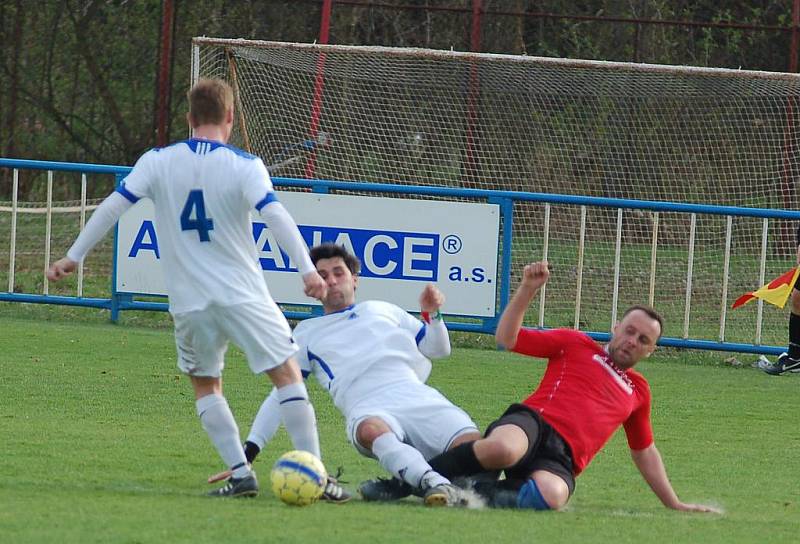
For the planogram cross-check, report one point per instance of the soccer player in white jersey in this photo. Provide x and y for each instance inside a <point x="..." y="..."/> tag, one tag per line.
<point x="203" y="191"/>
<point x="373" y="359"/>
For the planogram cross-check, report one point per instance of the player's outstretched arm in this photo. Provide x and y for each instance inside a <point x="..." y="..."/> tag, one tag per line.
<point x="651" y="466"/>
<point x="288" y="237"/>
<point x="436" y="342"/>
<point x="103" y="218"/>
<point x="534" y="275"/>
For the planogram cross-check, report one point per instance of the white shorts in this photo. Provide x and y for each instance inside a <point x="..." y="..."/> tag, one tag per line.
<point x="258" y="328"/>
<point x="418" y="414"/>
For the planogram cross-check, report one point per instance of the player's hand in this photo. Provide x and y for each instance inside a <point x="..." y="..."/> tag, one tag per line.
<point x="315" y="286"/>
<point x="431" y="299"/>
<point x="61" y="268"/>
<point x="536" y="274"/>
<point x="702" y="508"/>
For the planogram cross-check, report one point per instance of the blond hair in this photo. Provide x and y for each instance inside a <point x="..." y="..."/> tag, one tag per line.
<point x="209" y="101"/>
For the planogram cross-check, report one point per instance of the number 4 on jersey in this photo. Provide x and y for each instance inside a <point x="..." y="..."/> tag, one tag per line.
<point x="195" y="206"/>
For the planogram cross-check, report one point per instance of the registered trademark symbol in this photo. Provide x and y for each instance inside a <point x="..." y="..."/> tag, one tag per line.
<point x="451" y="244"/>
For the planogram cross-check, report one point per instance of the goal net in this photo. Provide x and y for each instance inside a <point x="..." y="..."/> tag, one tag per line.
<point x="618" y="130"/>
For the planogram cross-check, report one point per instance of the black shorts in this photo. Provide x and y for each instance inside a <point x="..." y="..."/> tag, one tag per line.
<point x="546" y="449"/>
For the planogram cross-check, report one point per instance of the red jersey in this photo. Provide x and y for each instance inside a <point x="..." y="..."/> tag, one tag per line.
<point x="583" y="395"/>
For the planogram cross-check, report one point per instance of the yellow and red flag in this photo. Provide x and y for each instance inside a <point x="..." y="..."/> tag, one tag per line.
<point x="775" y="292"/>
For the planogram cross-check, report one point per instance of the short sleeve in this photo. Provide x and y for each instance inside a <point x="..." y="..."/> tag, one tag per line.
<point x="544" y="344"/>
<point x="256" y="184"/>
<point x="139" y="182"/>
<point x="638" y="428"/>
<point x="409" y="322"/>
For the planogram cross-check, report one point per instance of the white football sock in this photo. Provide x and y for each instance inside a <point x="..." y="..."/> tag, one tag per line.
<point x="266" y="422"/>
<point x="405" y="462"/>
<point x="217" y="420"/>
<point x="298" y="417"/>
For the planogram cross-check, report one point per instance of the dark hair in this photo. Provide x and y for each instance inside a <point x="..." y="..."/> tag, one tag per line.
<point x="209" y="101"/>
<point x="329" y="250"/>
<point x="651" y="313"/>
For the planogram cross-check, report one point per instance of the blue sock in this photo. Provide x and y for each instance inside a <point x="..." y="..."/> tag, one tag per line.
<point x="529" y="496"/>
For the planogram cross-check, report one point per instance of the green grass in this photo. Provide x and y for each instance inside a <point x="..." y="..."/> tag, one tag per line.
<point x="101" y="444"/>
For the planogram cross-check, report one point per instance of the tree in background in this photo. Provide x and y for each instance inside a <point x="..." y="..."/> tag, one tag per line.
<point x="79" y="77"/>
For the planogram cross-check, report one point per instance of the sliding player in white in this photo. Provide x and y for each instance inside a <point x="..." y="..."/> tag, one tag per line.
<point x="373" y="359"/>
<point x="203" y="191"/>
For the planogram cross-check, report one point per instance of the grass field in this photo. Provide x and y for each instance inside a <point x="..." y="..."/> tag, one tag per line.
<point x="100" y="443"/>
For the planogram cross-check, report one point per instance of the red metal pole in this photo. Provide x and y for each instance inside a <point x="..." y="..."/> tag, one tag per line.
<point x="319" y="84"/>
<point x="473" y="93"/>
<point x="475" y="38"/>
<point x="325" y="23"/>
<point x="165" y="65"/>
<point x="795" y="36"/>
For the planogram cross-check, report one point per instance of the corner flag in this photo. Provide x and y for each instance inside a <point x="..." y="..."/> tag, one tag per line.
<point x="775" y="292"/>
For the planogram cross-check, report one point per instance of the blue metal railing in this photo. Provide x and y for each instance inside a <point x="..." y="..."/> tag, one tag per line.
<point x="505" y="200"/>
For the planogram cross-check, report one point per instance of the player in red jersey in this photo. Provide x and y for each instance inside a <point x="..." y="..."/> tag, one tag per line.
<point x="587" y="392"/>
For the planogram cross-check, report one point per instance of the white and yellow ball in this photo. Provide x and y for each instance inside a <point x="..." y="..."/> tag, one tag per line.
<point x="298" y="478"/>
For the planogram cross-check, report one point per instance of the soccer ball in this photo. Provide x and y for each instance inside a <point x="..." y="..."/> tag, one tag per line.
<point x="298" y="478"/>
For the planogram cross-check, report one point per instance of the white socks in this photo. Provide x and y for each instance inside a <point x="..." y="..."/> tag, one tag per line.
<point x="217" y="420"/>
<point x="267" y="421"/>
<point x="405" y="462"/>
<point x="298" y="417"/>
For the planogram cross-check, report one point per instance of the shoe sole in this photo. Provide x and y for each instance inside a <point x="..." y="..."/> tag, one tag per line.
<point x="436" y="499"/>
<point x="335" y="501"/>
<point x="366" y="498"/>
<point x="242" y="495"/>
<point x="371" y="499"/>
<point x="246" y="495"/>
<point x="774" y="372"/>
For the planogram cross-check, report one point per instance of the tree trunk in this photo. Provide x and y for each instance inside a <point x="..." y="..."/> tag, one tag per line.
<point x="8" y="147"/>
<point x="86" y="52"/>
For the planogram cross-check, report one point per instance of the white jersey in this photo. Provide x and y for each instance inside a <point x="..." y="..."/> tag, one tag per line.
<point x="365" y="347"/>
<point x="203" y="192"/>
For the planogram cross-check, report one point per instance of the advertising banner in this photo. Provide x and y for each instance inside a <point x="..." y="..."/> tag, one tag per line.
<point x="402" y="245"/>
